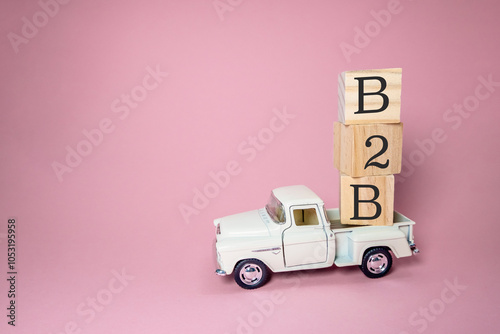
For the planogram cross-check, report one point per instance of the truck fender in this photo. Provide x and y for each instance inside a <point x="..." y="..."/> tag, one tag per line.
<point x="392" y="239"/>
<point x="250" y="257"/>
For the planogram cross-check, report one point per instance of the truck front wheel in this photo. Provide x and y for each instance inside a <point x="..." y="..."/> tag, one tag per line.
<point x="376" y="262"/>
<point x="251" y="274"/>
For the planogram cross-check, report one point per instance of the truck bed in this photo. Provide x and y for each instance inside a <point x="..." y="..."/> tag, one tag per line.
<point x="334" y="219"/>
<point x="348" y="237"/>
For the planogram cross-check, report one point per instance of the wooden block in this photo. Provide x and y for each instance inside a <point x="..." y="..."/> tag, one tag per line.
<point x="368" y="149"/>
<point x="371" y="96"/>
<point x="366" y="200"/>
<point x="337" y="144"/>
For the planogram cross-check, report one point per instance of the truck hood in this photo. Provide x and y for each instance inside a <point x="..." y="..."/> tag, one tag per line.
<point x="247" y="224"/>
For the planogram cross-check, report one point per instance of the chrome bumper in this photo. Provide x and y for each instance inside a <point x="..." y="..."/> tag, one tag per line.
<point x="220" y="272"/>
<point x="414" y="248"/>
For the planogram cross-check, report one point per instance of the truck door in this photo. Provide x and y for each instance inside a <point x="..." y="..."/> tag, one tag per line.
<point x="305" y="239"/>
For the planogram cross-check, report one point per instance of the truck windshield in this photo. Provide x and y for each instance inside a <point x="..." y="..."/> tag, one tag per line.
<point x="275" y="209"/>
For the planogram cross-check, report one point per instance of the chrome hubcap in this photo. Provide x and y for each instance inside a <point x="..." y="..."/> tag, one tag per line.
<point x="377" y="263"/>
<point x="251" y="274"/>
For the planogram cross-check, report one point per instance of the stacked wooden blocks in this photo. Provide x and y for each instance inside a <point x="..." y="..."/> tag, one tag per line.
<point x="368" y="142"/>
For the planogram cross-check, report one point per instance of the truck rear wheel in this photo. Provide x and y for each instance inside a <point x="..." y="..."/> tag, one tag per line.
<point x="251" y="274"/>
<point x="376" y="262"/>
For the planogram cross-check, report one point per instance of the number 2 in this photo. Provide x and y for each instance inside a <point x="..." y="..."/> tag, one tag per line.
<point x="385" y="145"/>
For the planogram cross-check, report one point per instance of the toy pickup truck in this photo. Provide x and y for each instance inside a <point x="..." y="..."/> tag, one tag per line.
<point x="295" y="232"/>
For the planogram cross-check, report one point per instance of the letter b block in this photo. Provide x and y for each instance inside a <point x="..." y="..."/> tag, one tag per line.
<point x="366" y="200"/>
<point x="372" y="96"/>
<point x="368" y="149"/>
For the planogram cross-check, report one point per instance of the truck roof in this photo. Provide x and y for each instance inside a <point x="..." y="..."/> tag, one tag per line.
<point x="294" y="195"/>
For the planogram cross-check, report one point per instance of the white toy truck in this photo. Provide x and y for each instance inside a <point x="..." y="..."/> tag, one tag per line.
<point x="295" y="232"/>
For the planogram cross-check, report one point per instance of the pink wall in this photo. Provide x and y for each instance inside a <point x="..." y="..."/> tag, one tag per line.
<point x="155" y="97"/>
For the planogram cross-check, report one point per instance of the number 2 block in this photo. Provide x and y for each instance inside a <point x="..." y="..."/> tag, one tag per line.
<point x="368" y="149"/>
<point x="366" y="200"/>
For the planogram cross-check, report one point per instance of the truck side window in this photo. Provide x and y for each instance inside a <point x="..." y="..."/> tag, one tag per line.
<point x="305" y="217"/>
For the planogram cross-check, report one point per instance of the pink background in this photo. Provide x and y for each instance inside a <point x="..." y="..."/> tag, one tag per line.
<point x="118" y="210"/>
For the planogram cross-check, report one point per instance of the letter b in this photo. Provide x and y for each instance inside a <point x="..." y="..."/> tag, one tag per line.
<point x="222" y="178"/>
<point x="362" y="94"/>
<point x="376" y="194"/>
<point x="367" y="200"/>
<point x="383" y="17"/>
<point x="94" y="136"/>
<point x="51" y="7"/>
<point x="370" y="96"/>
<point x="426" y="145"/>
